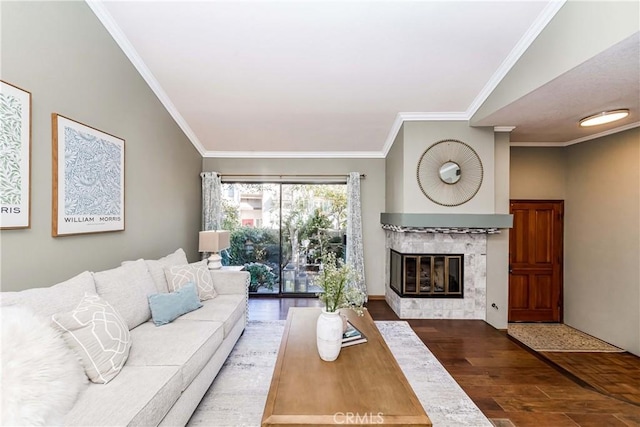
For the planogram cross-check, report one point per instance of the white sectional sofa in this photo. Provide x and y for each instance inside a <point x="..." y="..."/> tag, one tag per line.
<point x="169" y="367"/>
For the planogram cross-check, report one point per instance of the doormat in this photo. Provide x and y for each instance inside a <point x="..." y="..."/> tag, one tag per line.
<point x="558" y="337"/>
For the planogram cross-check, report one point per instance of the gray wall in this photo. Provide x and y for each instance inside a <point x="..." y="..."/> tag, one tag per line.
<point x="602" y="236"/>
<point x="394" y="164"/>
<point x="61" y="53"/>
<point x="498" y="244"/>
<point x="538" y="173"/>
<point x="600" y="183"/>
<point x="418" y="136"/>
<point x="372" y="193"/>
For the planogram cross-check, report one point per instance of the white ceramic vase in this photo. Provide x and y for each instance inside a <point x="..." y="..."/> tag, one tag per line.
<point x="329" y="335"/>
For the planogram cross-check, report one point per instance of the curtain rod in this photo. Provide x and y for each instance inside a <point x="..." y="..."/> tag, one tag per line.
<point x="267" y="175"/>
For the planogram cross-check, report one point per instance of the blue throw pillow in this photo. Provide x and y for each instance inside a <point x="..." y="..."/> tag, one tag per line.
<point x="168" y="307"/>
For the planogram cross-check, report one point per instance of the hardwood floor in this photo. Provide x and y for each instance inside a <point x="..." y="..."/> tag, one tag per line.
<point x="614" y="374"/>
<point x="511" y="385"/>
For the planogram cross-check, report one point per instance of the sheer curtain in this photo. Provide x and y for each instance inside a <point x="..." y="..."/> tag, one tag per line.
<point x="355" y="248"/>
<point x="211" y="201"/>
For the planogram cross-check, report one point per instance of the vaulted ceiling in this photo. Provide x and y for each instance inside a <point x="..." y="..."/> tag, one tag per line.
<point x="324" y="79"/>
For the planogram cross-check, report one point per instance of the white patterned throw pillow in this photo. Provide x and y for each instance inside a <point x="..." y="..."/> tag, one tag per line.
<point x="197" y="272"/>
<point x="99" y="336"/>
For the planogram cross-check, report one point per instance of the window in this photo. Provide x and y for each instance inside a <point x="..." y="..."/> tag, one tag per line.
<point x="280" y="231"/>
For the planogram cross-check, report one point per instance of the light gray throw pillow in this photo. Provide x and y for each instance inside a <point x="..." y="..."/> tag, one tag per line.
<point x="98" y="335"/>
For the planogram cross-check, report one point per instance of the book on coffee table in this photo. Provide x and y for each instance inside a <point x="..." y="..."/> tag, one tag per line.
<point x="352" y="336"/>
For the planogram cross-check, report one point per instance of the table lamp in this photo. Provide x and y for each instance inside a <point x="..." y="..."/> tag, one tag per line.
<point x="214" y="241"/>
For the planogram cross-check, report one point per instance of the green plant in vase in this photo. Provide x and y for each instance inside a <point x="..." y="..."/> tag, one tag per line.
<point x="336" y="280"/>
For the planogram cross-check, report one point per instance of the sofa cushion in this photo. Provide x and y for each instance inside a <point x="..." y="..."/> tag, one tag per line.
<point x="127" y="289"/>
<point x="197" y="272"/>
<point x="167" y="307"/>
<point x="188" y="345"/>
<point x="156" y="268"/>
<point x="138" y="396"/>
<point x="64" y="296"/>
<point x="223" y="308"/>
<point x="98" y="335"/>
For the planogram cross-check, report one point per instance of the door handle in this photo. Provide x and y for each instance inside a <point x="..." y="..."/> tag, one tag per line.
<point x="510" y="269"/>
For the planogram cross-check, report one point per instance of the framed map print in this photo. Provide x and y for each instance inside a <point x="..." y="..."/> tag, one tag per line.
<point x="15" y="161"/>
<point x="88" y="179"/>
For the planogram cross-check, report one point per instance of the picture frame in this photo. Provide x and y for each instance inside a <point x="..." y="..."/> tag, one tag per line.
<point x="88" y="179"/>
<point x="15" y="162"/>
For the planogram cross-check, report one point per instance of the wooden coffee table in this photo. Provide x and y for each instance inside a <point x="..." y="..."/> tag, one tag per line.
<point x="363" y="386"/>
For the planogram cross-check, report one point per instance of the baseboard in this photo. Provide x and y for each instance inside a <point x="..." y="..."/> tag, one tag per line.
<point x="376" y="297"/>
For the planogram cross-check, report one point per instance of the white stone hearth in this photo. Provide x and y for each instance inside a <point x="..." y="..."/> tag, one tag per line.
<point x="474" y="248"/>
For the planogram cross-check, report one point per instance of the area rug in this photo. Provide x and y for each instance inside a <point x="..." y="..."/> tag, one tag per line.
<point x="239" y="392"/>
<point x="557" y="337"/>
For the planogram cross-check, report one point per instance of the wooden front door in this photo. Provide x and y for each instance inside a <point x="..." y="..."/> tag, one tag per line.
<point x="535" y="261"/>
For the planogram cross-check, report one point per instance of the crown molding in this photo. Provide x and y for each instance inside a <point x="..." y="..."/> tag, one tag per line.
<point x="537" y="144"/>
<point x="121" y="39"/>
<point x="503" y="128"/>
<point x="413" y="117"/>
<point x="393" y="133"/>
<point x="518" y="50"/>
<point x="295" y="154"/>
<point x="605" y="133"/>
<point x="579" y="140"/>
<point x="435" y="116"/>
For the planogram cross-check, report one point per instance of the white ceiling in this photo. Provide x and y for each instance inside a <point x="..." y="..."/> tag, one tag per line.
<point x="328" y="79"/>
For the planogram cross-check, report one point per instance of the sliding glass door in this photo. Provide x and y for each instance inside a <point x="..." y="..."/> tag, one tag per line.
<point x="280" y="231"/>
<point x="313" y="222"/>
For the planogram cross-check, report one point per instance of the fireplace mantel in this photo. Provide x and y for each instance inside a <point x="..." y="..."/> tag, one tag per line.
<point x="446" y="223"/>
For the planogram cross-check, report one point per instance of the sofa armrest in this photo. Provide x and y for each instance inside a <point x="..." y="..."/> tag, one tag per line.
<point x="230" y="282"/>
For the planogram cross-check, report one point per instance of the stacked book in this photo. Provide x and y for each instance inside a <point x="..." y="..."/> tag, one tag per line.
<point x="352" y="336"/>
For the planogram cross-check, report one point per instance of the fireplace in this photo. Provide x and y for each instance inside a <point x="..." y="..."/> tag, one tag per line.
<point x="426" y="275"/>
<point x="413" y="244"/>
<point x="422" y="249"/>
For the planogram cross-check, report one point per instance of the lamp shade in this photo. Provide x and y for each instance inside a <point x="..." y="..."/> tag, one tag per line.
<point x="214" y="240"/>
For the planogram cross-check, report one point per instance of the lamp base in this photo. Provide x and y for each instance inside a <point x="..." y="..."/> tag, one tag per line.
<point x="214" y="262"/>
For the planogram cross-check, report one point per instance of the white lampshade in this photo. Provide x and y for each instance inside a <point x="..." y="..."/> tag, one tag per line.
<point x="214" y="240"/>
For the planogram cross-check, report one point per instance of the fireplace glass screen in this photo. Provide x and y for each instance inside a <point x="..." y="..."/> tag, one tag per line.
<point x="427" y="275"/>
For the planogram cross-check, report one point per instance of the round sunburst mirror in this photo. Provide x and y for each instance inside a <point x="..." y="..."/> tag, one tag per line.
<point x="449" y="172"/>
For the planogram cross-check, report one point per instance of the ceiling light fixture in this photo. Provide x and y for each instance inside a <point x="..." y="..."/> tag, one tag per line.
<point x="604" y="117"/>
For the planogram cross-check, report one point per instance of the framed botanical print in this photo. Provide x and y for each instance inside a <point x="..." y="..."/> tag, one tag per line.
<point x="88" y="179"/>
<point x="15" y="161"/>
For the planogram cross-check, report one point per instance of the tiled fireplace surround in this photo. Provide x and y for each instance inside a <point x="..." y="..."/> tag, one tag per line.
<point x="474" y="248"/>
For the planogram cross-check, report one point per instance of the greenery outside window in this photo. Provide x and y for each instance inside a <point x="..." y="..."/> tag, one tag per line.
<point x="279" y="232"/>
